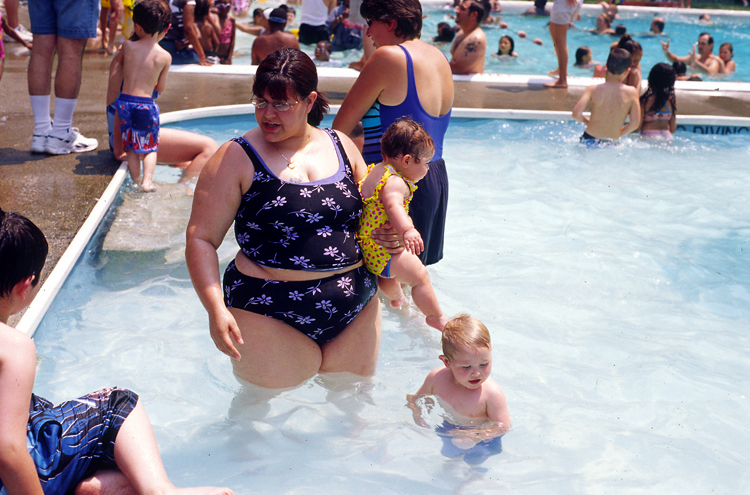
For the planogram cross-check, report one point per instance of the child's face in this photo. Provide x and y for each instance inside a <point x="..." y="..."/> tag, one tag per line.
<point x="413" y="168"/>
<point x="636" y="58"/>
<point x="725" y="53"/>
<point x="504" y="46"/>
<point x="587" y="58"/>
<point x="470" y="366"/>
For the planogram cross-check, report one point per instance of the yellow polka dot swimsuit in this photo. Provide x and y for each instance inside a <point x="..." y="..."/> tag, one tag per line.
<point x="373" y="217"/>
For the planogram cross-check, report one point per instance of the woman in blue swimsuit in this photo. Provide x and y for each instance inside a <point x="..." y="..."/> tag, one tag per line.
<point x="297" y="299"/>
<point x="404" y="77"/>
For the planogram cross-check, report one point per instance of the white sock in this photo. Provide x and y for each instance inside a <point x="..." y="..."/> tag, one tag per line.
<point x="42" y="121"/>
<point x="64" y="108"/>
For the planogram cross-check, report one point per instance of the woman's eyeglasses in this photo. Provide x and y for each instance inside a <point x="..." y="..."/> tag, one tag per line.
<point x="279" y="106"/>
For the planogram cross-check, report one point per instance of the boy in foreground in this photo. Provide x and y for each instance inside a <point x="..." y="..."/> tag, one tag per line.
<point x="464" y="384"/>
<point x="98" y="444"/>
<point x="610" y="103"/>
<point x="144" y="66"/>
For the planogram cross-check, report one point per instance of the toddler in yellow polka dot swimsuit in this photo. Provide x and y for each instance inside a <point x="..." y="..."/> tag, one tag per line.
<point x="386" y="192"/>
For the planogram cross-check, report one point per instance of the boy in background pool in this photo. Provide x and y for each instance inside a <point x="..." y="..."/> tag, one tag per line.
<point x="99" y="443"/>
<point x="464" y="384"/>
<point x="610" y="103"/>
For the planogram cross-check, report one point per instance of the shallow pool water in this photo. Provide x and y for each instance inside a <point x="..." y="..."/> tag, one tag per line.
<point x="682" y="30"/>
<point x="614" y="281"/>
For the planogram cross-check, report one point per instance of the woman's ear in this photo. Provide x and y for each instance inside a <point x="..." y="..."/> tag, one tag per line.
<point x="311" y="100"/>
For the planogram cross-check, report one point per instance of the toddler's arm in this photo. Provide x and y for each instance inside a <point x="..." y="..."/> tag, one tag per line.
<point x="392" y="197"/>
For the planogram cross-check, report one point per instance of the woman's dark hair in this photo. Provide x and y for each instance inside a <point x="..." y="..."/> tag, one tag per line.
<point x="201" y="9"/>
<point x="660" y="85"/>
<point x="286" y="72"/>
<point x="23" y="250"/>
<point x="512" y="44"/>
<point x="406" y="13"/>
<point x="581" y="52"/>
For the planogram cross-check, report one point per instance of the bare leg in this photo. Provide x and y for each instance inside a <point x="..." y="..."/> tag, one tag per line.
<point x="112" y="24"/>
<point x="137" y="456"/>
<point x="2" y="68"/>
<point x="11" y="9"/>
<point x="134" y="166"/>
<point x="406" y="267"/>
<point x="176" y="146"/>
<point x="69" y="67"/>
<point x="103" y="18"/>
<point x="559" y="34"/>
<point x="355" y="350"/>
<point x="392" y="290"/>
<point x="40" y="65"/>
<point x="149" y="165"/>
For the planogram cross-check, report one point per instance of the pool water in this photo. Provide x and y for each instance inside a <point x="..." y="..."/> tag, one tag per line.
<point x="681" y="30"/>
<point x="614" y="281"/>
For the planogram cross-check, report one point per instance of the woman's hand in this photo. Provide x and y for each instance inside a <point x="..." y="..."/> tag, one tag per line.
<point x="413" y="241"/>
<point x="389" y="238"/>
<point x="223" y="329"/>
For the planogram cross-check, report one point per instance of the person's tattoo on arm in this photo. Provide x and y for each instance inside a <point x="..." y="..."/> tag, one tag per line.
<point x="471" y="46"/>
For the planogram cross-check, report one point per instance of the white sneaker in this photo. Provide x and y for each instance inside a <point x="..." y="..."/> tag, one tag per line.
<point x="39" y="143"/>
<point x="24" y="33"/>
<point x="72" y="142"/>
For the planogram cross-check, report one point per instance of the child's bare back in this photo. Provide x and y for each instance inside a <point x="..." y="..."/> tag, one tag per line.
<point x="145" y="67"/>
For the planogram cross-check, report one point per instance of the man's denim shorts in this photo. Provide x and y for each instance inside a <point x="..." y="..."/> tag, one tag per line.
<point x="73" y="19"/>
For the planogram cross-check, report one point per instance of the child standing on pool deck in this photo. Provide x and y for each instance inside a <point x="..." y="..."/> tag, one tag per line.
<point x="610" y="103"/>
<point x="386" y="192"/>
<point x="99" y="443"/>
<point x="144" y="66"/>
<point x="464" y="384"/>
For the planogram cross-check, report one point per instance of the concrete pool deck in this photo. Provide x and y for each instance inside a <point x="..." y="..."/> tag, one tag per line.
<point x="59" y="192"/>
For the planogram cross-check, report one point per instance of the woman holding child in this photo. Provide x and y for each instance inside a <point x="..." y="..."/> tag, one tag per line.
<point x="404" y="77"/>
<point x="297" y="299"/>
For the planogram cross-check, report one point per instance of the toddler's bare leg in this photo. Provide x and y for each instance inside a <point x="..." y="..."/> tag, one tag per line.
<point x="134" y="166"/>
<point x="392" y="290"/>
<point x="149" y="165"/>
<point x="406" y="267"/>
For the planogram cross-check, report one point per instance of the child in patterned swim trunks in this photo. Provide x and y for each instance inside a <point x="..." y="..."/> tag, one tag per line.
<point x="99" y="443"/>
<point x="144" y="66"/>
<point x="386" y="192"/>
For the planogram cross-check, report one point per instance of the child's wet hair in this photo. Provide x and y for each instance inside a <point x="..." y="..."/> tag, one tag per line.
<point x="581" y="52"/>
<point x="729" y="47"/>
<point x="23" y="251"/>
<point x="619" y="61"/>
<point x="661" y="81"/>
<point x="464" y="331"/>
<point x="405" y="137"/>
<point x="154" y="16"/>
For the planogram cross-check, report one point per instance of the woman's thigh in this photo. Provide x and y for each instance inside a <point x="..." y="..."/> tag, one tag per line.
<point x="274" y="354"/>
<point x="355" y="350"/>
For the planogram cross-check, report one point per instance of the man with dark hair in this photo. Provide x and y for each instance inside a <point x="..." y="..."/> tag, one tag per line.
<point x="470" y="45"/>
<point x="703" y="59"/>
<point x="610" y="103"/>
<point x="657" y="26"/>
<point x="274" y="38"/>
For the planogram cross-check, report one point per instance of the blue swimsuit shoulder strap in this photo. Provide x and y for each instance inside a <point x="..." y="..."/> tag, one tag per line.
<point x="344" y="157"/>
<point x="412" y="83"/>
<point x="250" y="152"/>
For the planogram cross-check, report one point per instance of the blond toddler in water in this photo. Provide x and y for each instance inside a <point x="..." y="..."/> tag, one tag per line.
<point x="464" y="384"/>
<point x="386" y="192"/>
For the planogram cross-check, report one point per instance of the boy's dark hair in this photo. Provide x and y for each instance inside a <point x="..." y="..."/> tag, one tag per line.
<point x="477" y="7"/>
<point x="445" y="32"/>
<point x="660" y="25"/>
<point x="405" y="137"/>
<point x="406" y="13"/>
<point x="277" y="18"/>
<point x="154" y="16"/>
<point x="23" y="250"/>
<point x="581" y="52"/>
<point x="680" y="68"/>
<point x="619" y="61"/>
<point x="620" y="29"/>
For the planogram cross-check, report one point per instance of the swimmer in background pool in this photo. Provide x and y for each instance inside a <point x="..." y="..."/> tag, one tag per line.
<point x="101" y="443"/>
<point x="726" y="52"/>
<point x="610" y="103"/>
<point x="703" y="58"/>
<point x="659" y="104"/>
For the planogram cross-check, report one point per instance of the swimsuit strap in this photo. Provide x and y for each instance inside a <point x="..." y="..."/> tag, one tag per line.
<point x="342" y="152"/>
<point x="250" y="152"/>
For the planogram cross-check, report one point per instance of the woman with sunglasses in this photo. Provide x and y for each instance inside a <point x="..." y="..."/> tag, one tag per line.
<point x="404" y="77"/>
<point x="297" y="299"/>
